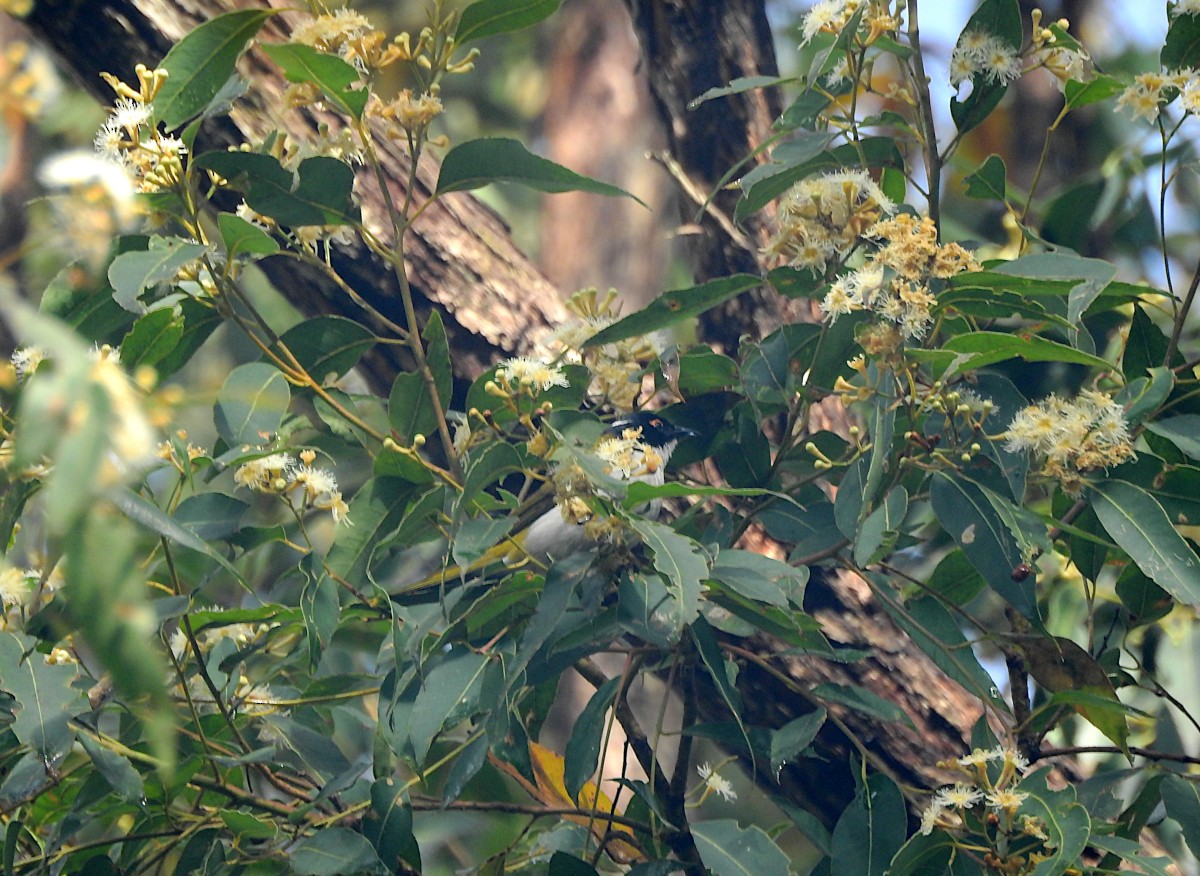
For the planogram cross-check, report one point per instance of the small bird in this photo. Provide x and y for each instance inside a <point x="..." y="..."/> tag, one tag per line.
<point x="646" y="442"/>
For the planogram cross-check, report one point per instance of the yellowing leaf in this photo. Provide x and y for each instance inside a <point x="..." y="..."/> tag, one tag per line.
<point x="551" y="790"/>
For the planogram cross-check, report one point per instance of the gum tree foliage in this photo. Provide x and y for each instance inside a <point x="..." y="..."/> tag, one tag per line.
<point x="225" y="660"/>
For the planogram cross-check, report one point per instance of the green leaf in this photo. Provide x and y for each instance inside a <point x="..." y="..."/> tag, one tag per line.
<point x="969" y="516"/>
<point x="727" y="849"/>
<point x="976" y="350"/>
<point x="241" y="237"/>
<point x="149" y="516"/>
<point x="987" y="182"/>
<point x="1066" y="823"/>
<point x="1100" y="87"/>
<point x="582" y="754"/>
<point x="861" y="700"/>
<point x="490" y="17"/>
<point x="1182" y="45"/>
<point x="1141" y="528"/>
<point x="45" y="695"/>
<point x="388" y="825"/>
<point x="327" y="345"/>
<point x="152" y="338"/>
<point x="1142" y="396"/>
<point x="333" y="851"/>
<point x="1183" y="431"/>
<point x="1094" y="276"/>
<point x="329" y="73"/>
<point x="1182" y="800"/>
<point x="200" y="64"/>
<point x="760" y="578"/>
<point x="924" y="854"/>
<point x="738" y="86"/>
<point x="318" y="193"/>
<point x="681" y="562"/>
<point x="410" y="403"/>
<point x="794" y="737"/>
<point x="871" y="830"/>
<point x="131" y="273"/>
<point x="377" y="509"/>
<point x="321" y="611"/>
<point x="448" y="693"/>
<point x="673" y="307"/>
<point x="251" y="404"/>
<point x="879" y="531"/>
<point x="477" y="163"/>
<point x="722" y="671"/>
<point x="936" y="632"/>
<point x="116" y="770"/>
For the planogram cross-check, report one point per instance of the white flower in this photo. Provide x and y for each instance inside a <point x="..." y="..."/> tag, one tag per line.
<point x="14" y="587"/>
<point x="715" y="783"/>
<point x="1186" y="7"/>
<point x="958" y="797"/>
<point x="26" y="361"/>
<point x="532" y="373"/>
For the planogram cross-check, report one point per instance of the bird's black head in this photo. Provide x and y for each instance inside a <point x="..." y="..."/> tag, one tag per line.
<point x="657" y="431"/>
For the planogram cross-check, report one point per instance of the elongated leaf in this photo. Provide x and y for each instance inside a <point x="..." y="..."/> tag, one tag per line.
<point x="47" y="701"/>
<point x="450" y="689"/>
<point x="761" y="578"/>
<point x="200" y="64"/>
<point x="476" y="163"/>
<point x="723" y="672"/>
<point x="490" y="17"/>
<point x="389" y="825"/>
<point x="966" y="513"/>
<point x="681" y="563"/>
<point x="1140" y="526"/>
<point x="145" y="513"/>
<point x="673" y="307"/>
<point x="1181" y="48"/>
<point x="152" y="338"/>
<point x="861" y="700"/>
<point x="870" y="831"/>
<point x="583" y="748"/>
<point x="329" y="73"/>
<point x="1183" y="431"/>
<point x="318" y="193"/>
<point x="1102" y="87"/>
<point x="241" y="237"/>
<point x="730" y="850"/>
<point x="987" y="182"/>
<point x="791" y="740"/>
<point x="1094" y="276"/>
<point x="327" y="345"/>
<point x="376" y="510"/>
<point x="739" y="85"/>
<point x="115" y="769"/>
<point x="1182" y="800"/>
<point x="333" y="851"/>
<point x="251" y="404"/>
<point x="976" y="350"/>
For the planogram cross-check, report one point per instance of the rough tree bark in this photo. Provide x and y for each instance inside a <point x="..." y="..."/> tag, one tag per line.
<point x="461" y="259"/>
<point x="463" y="263"/>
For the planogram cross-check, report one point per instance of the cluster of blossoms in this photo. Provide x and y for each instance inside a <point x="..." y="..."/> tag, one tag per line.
<point x="823" y="218"/>
<point x="986" y="802"/>
<point x="531" y="374"/>
<point x="1077" y="435"/>
<point x="894" y="281"/>
<point x="281" y="474"/>
<point x="616" y="368"/>
<point x="981" y="53"/>
<point x="832" y="16"/>
<point x="1154" y="90"/>
<point x="129" y="138"/>
<point x="23" y="592"/>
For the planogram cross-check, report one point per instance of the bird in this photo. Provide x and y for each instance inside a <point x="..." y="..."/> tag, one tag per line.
<point x="641" y="444"/>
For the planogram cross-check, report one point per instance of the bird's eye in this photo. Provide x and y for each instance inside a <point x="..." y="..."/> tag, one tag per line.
<point x="656" y="423"/>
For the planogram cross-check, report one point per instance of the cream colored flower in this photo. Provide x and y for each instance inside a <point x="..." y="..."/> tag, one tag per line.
<point x="715" y="783"/>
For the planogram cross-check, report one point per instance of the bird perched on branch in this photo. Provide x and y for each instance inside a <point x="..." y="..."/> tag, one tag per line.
<point x="636" y="448"/>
